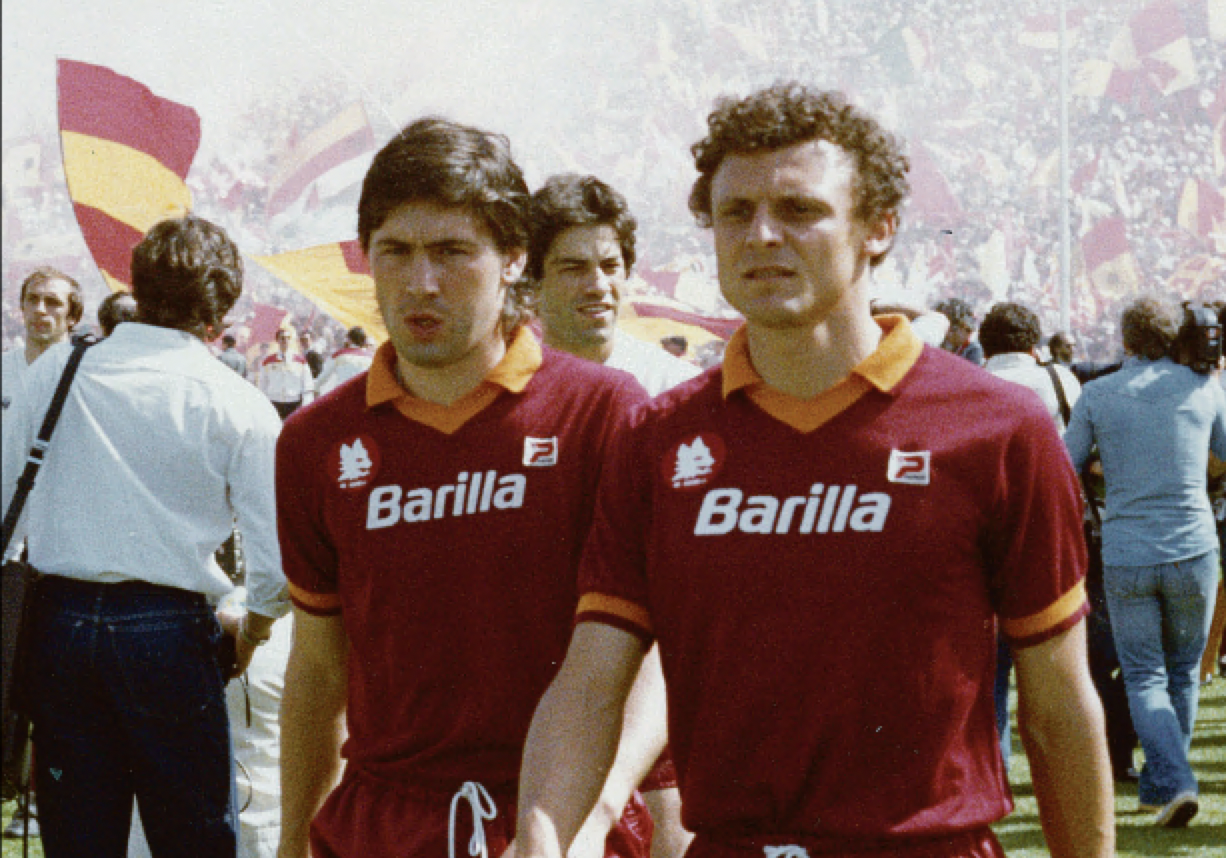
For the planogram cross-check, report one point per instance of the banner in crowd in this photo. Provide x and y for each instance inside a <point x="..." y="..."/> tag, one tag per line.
<point x="1202" y="209"/>
<point x="336" y="278"/>
<point x="651" y="319"/>
<point x="1197" y="277"/>
<point x="328" y="164"/>
<point x="127" y="153"/>
<point x="1109" y="260"/>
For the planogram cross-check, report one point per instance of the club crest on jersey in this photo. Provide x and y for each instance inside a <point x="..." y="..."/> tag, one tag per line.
<point x="694" y="461"/>
<point x="910" y="467"/>
<point x="540" y="452"/>
<point x="355" y="462"/>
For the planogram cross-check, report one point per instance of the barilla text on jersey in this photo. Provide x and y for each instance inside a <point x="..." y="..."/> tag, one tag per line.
<point x="472" y="493"/>
<point x="826" y="509"/>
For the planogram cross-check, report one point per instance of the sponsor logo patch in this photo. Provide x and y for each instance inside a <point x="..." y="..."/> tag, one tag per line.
<point x="694" y="461"/>
<point x="540" y="452"/>
<point x="355" y="463"/>
<point x="910" y="468"/>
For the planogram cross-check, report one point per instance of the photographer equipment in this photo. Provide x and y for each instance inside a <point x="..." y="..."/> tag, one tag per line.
<point x="1198" y="345"/>
<point x="20" y="581"/>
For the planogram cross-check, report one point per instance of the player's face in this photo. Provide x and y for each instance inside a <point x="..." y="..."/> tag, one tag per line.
<point x="45" y="310"/>
<point x="441" y="283"/>
<point x="789" y="247"/>
<point x="584" y="275"/>
<point x="283" y="341"/>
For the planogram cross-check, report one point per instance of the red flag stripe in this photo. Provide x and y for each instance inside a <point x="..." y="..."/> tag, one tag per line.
<point x="99" y="102"/>
<point x="722" y="328"/>
<point x="355" y="259"/>
<point x="1107" y="240"/>
<point x="1156" y="26"/>
<point x="345" y="149"/>
<point x="109" y="240"/>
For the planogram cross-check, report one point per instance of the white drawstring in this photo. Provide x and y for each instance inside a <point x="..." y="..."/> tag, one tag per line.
<point x="483" y="808"/>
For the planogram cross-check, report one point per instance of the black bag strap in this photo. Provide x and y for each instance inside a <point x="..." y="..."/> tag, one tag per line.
<point x="39" y="450"/>
<point x="1067" y="414"/>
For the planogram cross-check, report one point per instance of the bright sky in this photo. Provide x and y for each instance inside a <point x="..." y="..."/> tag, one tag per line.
<point x="488" y="61"/>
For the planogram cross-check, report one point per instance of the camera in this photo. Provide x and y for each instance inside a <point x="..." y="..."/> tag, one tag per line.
<point x="1198" y="344"/>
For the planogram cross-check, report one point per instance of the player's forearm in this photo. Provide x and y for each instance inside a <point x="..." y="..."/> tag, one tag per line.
<point x="1071" y="772"/>
<point x="312" y="730"/>
<point x="571" y="747"/>
<point x="644" y="736"/>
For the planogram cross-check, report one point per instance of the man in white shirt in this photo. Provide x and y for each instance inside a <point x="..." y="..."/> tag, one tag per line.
<point x="160" y="449"/>
<point x="353" y="359"/>
<point x="286" y="378"/>
<point x="582" y="252"/>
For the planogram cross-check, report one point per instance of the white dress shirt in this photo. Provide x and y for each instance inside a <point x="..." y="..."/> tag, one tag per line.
<point x="654" y="368"/>
<point x="159" y="450"/>
<point x="287" y="379"/>
<point x="1024" y="369"/>
<point x="347" y="363"/>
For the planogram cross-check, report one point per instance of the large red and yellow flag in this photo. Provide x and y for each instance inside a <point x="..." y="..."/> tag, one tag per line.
<point x="336" y="278"/>
<point x="1202" y="209"/>
<point x="126" y="157"/>
<point x="1109" y="260"/>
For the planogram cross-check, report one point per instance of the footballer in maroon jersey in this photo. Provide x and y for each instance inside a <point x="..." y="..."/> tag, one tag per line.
<point x="432" y="514"/>
<point x="822" y="538"/>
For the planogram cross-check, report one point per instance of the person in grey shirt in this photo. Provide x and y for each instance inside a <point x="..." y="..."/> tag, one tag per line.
<point x="1155" y="422"/>
<point x="232" y="357"/>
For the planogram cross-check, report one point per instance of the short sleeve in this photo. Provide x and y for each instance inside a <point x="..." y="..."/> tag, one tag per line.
<point x="613" y="572"/>
<point x="1036" y="552"/>
<point x="307" y="552"/>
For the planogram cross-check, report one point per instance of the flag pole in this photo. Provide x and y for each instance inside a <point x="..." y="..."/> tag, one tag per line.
<point x="1065" y="239"/>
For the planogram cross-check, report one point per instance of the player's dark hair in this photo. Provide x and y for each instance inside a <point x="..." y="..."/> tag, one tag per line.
<point x="228" y="341"/>
<point x="1148" y="328"/>
<point x="45" y="274"/>
<point x="186" y="275"/>
<point x="115" y="309"/>
<point x="570" y="200"/>
<point x="1009" y="327"/>
<point x="788" y="114"/>
<point x="439" y="161"/>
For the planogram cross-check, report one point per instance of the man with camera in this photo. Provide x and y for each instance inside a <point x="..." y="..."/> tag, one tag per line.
<point x="1155" y="422"/>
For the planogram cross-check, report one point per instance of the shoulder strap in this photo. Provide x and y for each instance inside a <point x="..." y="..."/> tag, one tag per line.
<point x="1065" y="412"/>
<point x="39" y="450"/>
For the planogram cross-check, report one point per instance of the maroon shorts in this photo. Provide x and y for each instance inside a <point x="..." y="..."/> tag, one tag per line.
<point x="663" y="774"/>
<point x="981" y="843"/>
<point x="367" y="817"/>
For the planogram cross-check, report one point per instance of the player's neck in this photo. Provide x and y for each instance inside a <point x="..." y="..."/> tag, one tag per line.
<point x="444" y="385"/>
<point x="595" y="351"/>
<point x="806" y="362"/>
<point x="35" y="348"/>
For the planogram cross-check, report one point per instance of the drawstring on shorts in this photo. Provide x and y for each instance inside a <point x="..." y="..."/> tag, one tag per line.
<point x="483" y="808"/>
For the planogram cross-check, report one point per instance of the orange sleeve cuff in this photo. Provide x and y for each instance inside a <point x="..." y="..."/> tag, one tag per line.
<point x="621" y="613"/>
<point x="319" y="604"/>
<point x="1037" y="627"/>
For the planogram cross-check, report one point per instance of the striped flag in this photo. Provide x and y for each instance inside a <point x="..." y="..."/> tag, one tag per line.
<point x="1043" y="31"/>
<point x="1154" y="45"/>
<point x="336" y="278"/>
<point x="1196" y="275"/>
<point x="651" y="319"/>
<point x="265" y="322"/>
<point x="1109" y="260"/>
<point x="1202" y="209"/>
<point x="932" y="198"/>
<point x="323" y="169"/>
<point x="126" y="157"/>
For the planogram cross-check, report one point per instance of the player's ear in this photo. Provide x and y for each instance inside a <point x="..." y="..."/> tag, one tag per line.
<point x="514" y="262"/>
<point x="879" y="234"/>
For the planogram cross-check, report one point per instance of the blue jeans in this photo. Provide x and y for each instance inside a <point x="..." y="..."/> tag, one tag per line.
<point x="128" y="702"/>
<point x="1160" y="618"/>
<point x="1000" y="694"/>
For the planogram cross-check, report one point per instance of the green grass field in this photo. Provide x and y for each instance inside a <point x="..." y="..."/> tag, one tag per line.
<point x="1136" y="836"/>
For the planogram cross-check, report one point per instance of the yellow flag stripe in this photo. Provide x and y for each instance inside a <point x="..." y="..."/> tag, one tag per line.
<point x="128" y="185"/>
<point x="320" y="273"/>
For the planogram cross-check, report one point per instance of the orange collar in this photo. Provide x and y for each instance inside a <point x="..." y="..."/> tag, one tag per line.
<point x="883" y="369"/>
<point x="513" y="372"/>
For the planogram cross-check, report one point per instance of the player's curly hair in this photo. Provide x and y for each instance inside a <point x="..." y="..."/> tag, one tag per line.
<point x="1149" y="327"/>
<point x="439" y="161"/>
<point x="186" y="275"/>
<point x="569" y="200"/>
<point x="1009" y="327"/>
<point x="789" y="113"/>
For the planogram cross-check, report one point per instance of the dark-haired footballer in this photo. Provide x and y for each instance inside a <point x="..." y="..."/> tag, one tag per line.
<point x="433" y="511"/>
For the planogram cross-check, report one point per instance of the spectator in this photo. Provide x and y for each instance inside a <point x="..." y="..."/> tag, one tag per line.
<point x="159" y="448"/>
<point x="285" y="377"/>
<point x="675" y="345"/>
<point x="310" y="353"/>
<point x="231" y="356"/>
<point x="1062" y="347"/>
<point x="1155" y="423"/>
<point x="958" y="339"/>
<point x="353" y="359"/>
<point x="116" y="308"/>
